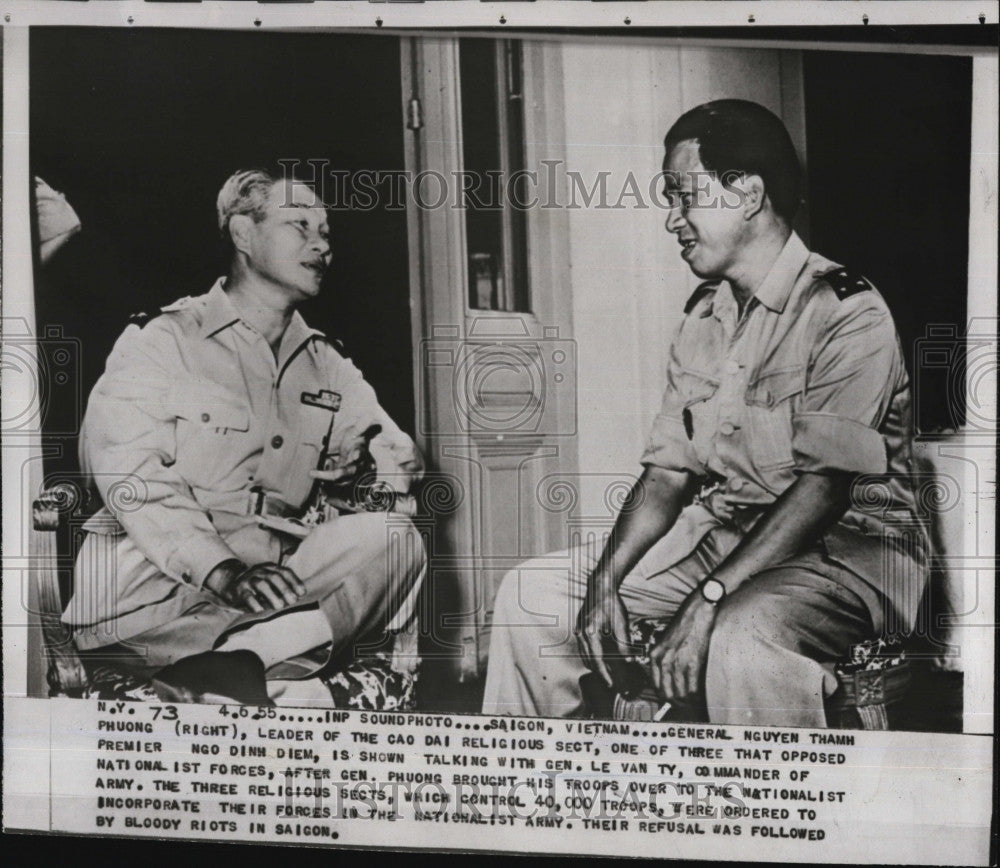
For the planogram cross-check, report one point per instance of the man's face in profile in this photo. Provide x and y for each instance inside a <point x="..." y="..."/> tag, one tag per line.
<point x="705" y="215"/>
<point x="290" y="246"/>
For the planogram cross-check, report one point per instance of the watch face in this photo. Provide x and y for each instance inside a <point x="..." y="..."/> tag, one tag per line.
<point x="713" y="590"/>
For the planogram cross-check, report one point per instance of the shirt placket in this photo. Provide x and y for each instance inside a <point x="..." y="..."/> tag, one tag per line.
<point x="732" y="385"/>
<point x="274" y="431"/>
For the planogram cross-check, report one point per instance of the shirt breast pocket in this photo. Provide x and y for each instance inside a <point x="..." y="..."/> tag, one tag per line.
<point x="770" y="399"/>
<point x="211" y="427"/>
<point x="698" y="410"/>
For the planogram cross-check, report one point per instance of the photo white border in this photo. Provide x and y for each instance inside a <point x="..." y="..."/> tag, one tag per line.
<point x="471" y="13"/>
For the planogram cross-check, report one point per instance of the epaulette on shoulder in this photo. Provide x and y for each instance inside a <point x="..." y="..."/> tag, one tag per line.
<point x="845" y="282"/>
<point x="180" y="304"/>
<point x="701" y="292"/>
<point x="337" y="344"/>
<point x="141" y="318"/>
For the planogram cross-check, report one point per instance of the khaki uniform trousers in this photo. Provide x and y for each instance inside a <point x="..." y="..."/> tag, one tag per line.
<point x="772" y="648"/>
<point x="362" y="574"/>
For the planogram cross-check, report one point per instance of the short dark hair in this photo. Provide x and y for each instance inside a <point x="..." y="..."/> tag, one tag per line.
<point x="736" y="135"/>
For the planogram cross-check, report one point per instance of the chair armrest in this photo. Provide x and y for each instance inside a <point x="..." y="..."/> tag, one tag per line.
<point x="66" y="674"/>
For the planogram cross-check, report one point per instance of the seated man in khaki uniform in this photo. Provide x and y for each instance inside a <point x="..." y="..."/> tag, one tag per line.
<point x="223" y="394"/>
<point x="774" y="524"/>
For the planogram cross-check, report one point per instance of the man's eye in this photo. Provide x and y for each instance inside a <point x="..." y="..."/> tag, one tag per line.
<point x="678" y="200"/>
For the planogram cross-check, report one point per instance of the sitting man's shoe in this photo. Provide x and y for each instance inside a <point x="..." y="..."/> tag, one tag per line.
<point x="214" y="677"/>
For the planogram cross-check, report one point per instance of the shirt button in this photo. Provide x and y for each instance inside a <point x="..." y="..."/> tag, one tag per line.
<point x="276" y="441"/>
<point x="727" y="428"/>
<point x="736" y="484"/>
<point x="205" y="417"/>
<point x="732" y="366"/>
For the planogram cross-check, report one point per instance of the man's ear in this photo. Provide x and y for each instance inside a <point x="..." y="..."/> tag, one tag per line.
<point x="754" y="196"/>
<point x="240" y="226"/>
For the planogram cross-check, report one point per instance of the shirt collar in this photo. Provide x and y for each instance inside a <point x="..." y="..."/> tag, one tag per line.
<point x="297" y="334"/>
<point x="220" y="313"/>
<point x="777" y="286"/>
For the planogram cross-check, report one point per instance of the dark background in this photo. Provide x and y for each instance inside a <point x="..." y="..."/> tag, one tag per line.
<point x="140" y="129"/>
<point x="888" y="138"/>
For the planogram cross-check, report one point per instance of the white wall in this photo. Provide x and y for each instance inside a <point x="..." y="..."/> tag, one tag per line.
<point x="629" y="283"/>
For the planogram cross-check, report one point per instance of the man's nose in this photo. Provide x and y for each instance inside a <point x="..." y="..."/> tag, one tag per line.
<point x="675" y="220"/>
<point x="321" y="245"/>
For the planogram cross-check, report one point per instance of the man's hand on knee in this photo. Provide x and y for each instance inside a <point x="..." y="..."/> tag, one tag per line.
<point x="260" y="588"/>
<point x="602" y="635"/>
<point x="678" y="659"/>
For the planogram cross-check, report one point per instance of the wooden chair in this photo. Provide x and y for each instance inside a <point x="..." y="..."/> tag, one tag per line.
<point x="383" y="681"/>
<point x="873" y="683"/>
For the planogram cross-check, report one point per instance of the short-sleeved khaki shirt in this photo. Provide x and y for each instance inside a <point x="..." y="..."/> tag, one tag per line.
<point x="810" y="379"/>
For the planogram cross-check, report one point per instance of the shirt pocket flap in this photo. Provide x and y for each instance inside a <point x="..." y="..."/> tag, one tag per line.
<point x="211" y="408"/>
<point x="772" y="387"/>
<point x="694" y="386"/>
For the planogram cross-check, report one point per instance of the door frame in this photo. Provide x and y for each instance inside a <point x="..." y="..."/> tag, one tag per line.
<point x="477" y="543"/>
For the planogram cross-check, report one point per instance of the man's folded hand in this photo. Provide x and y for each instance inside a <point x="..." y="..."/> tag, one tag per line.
<point x="259" y="588"/>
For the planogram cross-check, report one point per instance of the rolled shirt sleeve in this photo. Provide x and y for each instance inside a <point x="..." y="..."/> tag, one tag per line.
<point x="668" y="445"/>
<point x="853" y="375"/>
<point x="127" y="447"/>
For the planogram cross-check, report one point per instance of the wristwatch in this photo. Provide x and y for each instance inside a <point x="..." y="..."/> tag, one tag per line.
<point x="712" y="590"/>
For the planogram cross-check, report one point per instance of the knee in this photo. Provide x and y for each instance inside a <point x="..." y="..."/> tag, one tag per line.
<point x="522" y="596"/>
<point x="506" y="602"/>
<point x="387" y="532"/>
<point x="744" y="621"/>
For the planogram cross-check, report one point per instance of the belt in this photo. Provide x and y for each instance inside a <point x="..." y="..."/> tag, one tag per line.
<point x="271" y="511"/>
<point x="260" y="502"/>
<point x="905" y="532"/>
<point x="742" y="518"/>
<point x="254" y="501"/>
<point x="706" y="491"/>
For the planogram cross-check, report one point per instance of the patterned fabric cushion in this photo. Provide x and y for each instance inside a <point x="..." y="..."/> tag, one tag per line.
<point x="874" y="679"/>
<point x="369" y="684"/>
<point x="644" y="633"/>
<point x="873" y="655"/>
<point x="112" y="684"/>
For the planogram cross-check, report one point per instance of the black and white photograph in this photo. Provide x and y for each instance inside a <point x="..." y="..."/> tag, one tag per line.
<point x="526" y="431"/>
